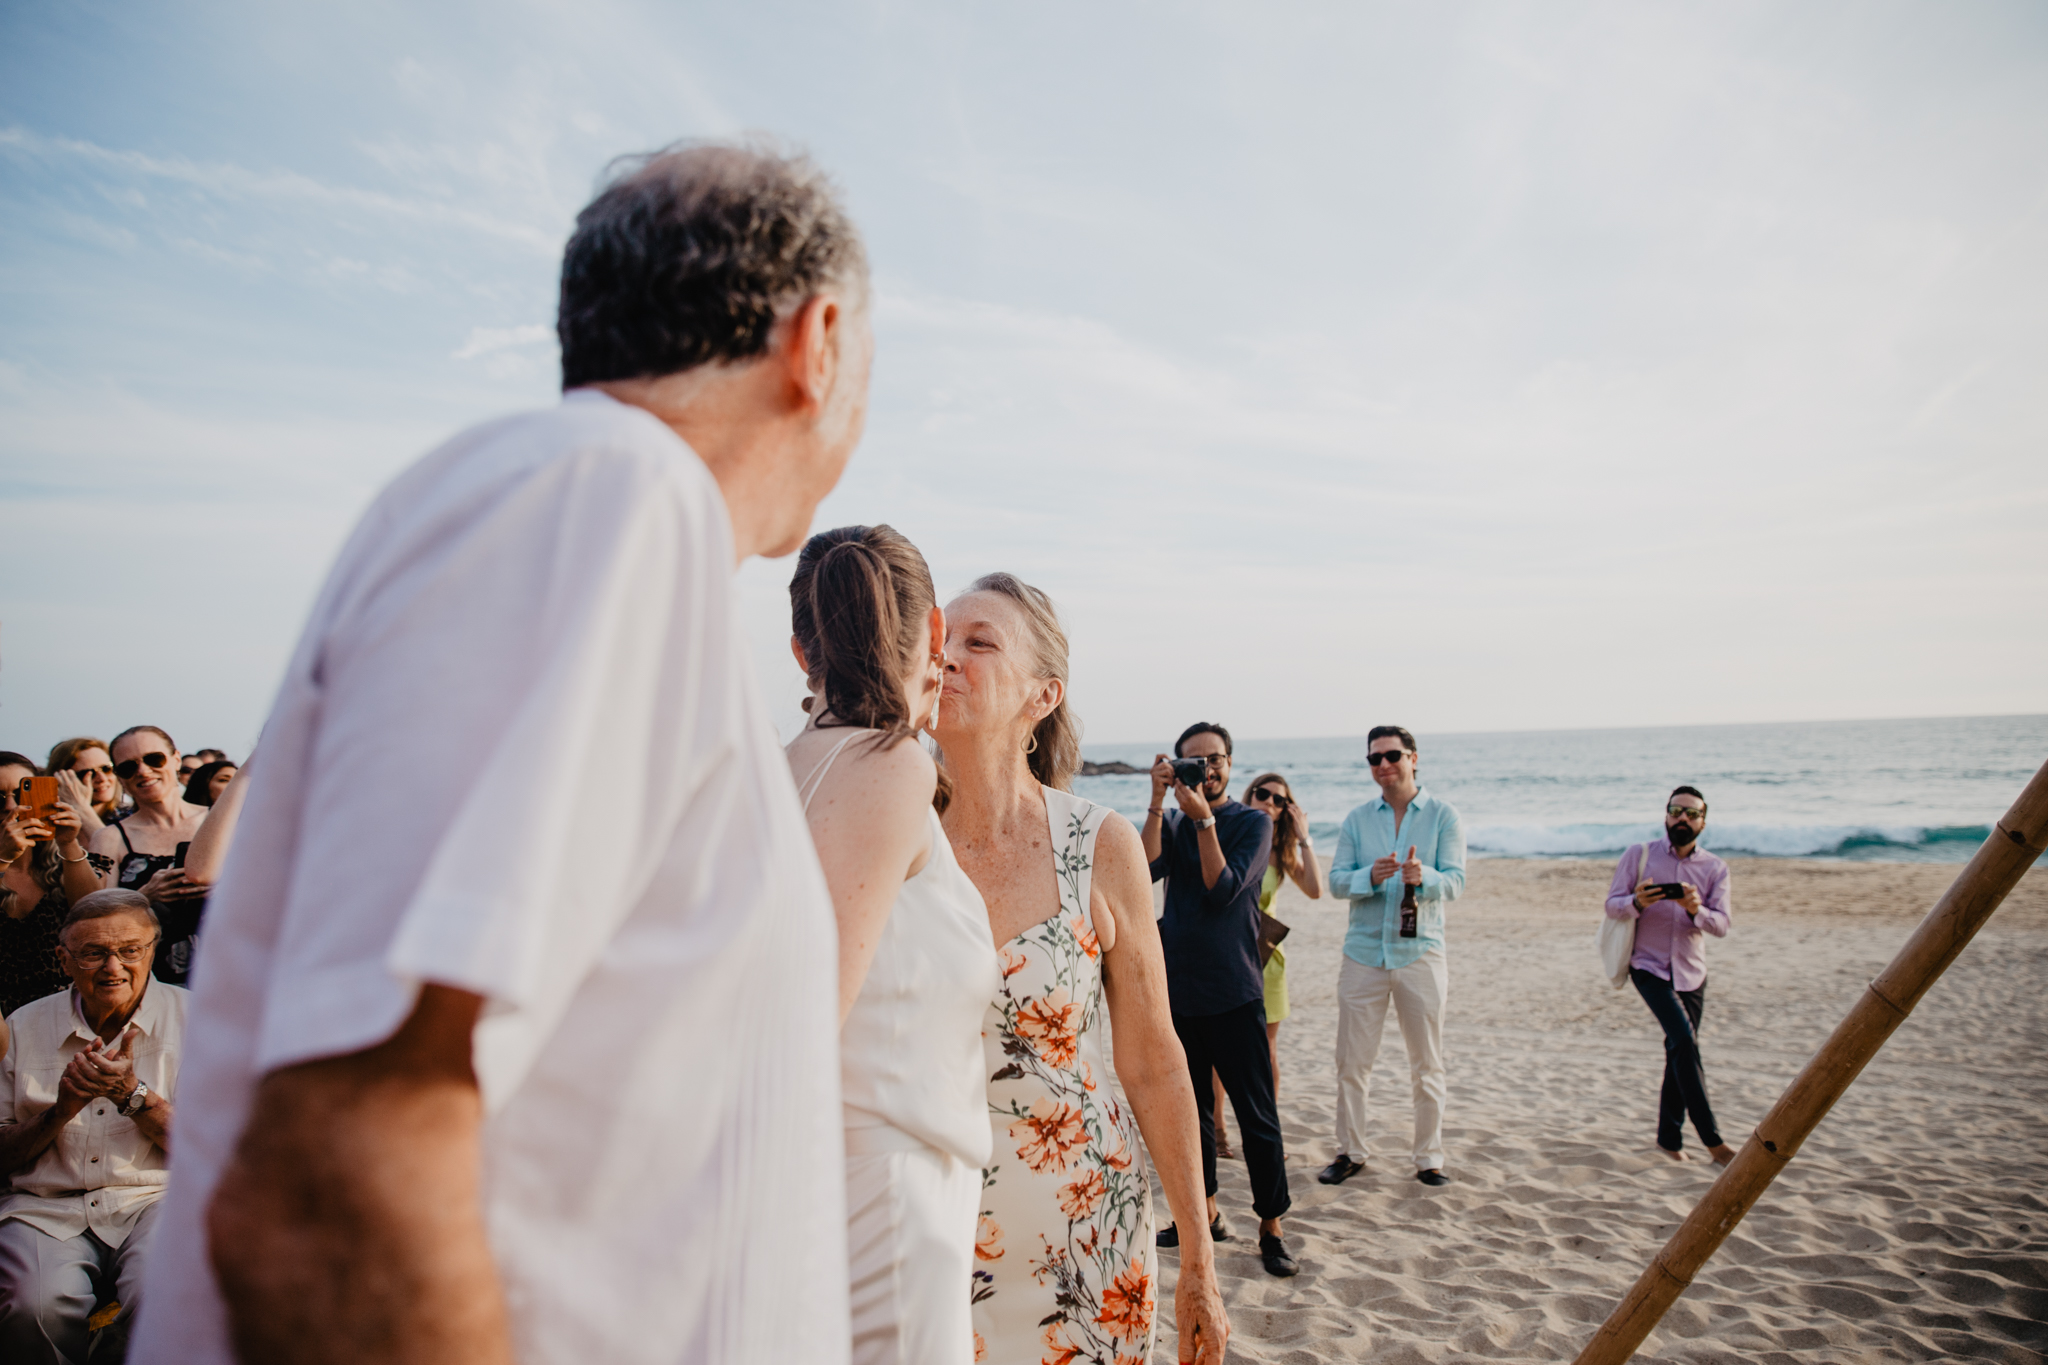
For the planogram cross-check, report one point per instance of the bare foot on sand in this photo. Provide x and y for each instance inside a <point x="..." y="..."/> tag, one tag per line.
<point x="1722" y="1155"/>
<point x="1675" y="1156"/>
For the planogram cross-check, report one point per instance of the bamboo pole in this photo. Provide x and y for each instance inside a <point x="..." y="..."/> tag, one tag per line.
<point x="2015" y="843"/>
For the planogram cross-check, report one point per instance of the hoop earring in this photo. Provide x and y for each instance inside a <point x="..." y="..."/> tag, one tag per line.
<point x="1031" y="742"/>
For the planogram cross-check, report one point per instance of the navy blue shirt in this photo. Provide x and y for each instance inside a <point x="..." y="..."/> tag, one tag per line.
<point x="1211" y="933"/>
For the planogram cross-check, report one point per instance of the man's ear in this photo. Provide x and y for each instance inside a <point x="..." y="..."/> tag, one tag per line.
<point x="810" y="351"/>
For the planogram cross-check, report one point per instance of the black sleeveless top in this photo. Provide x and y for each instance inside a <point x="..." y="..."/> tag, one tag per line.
<point x="180" y="918"/>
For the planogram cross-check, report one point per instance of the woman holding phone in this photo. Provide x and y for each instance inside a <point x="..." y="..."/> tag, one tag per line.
<point x="33" y="849"/>
<point x="917" y="963"/>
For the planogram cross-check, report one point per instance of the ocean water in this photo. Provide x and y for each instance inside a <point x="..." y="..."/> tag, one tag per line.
<point x="1868" y="791"/>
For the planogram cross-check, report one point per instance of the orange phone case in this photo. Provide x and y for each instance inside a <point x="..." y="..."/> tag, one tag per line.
<point x="41" y="794"/>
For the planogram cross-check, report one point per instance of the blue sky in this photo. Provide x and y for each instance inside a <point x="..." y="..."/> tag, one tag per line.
<point x="1494" y="366"/>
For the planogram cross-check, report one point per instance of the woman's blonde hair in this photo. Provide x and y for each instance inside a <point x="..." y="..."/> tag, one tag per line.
<point x="1055" y="753"/>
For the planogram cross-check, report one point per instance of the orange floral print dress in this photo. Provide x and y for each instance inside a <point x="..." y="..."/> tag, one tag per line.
<point x="1063" y="1257"/>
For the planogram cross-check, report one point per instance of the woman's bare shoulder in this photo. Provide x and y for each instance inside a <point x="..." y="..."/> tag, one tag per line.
<point x="886" y="772"/>
<point x="1118" y="847"/>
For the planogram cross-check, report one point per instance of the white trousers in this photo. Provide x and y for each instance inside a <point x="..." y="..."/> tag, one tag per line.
<point x="910" y="1219"/>
<point x="1417" y="993"/>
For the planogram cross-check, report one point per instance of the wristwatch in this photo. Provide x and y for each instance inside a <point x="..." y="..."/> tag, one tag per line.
<point x="1209" y="823"/>
<point x="132" y="1106"/>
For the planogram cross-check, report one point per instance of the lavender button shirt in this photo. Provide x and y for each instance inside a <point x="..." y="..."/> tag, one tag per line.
<point x="1669" y="942"/>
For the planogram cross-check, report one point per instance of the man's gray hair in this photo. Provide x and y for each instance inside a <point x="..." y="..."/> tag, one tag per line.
<point x="690" y="255"/>
<point x="111" y="901"/>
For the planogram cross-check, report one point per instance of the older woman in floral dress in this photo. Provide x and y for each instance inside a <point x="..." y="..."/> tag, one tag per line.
<point x="1064" y="1258"/>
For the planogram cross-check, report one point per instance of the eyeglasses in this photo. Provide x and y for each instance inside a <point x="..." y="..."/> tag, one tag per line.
<point x="1213" y="760"/>
<point x="1278" y="798"/>
<point x="1385" y="756"/>
<point x="128" y="767"/>
<point x="96" y="956"/>
<point x="1688" y="812"/>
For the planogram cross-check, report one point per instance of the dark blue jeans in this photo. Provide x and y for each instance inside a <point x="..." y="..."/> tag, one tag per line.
<point x="1685" y="1075"/>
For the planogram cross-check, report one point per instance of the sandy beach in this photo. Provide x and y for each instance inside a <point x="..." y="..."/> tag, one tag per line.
<point x="1914" y="1225"/>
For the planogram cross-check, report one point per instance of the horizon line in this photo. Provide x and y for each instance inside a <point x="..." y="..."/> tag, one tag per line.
<point x="1622" y="729"/>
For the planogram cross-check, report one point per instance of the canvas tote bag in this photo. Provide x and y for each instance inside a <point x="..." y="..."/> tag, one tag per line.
<point x="1618" y="936"/>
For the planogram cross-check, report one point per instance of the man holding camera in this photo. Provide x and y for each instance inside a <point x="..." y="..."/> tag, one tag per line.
<point x="1212" y="853"/>
<point x="1677" y="893"/>
<point x="1394" y="949"/>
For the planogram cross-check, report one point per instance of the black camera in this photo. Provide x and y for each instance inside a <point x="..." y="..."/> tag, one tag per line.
<point x="1189" y="772"/>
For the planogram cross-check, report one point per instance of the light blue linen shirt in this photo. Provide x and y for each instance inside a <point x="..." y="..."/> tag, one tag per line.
<point x="1432" y="826"/>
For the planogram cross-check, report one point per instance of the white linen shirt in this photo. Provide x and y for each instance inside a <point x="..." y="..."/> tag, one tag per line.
<point x="101" y="1172"/>
<point x="520" y="751"/>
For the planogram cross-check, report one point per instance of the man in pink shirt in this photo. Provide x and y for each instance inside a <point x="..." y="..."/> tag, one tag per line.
<point x="1677" y="893"/>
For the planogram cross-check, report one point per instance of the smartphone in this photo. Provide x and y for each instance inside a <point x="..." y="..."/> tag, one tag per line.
<point x="178" y="858"/>
<point x="39" y="794"/>
<point x="1673" y="891"/>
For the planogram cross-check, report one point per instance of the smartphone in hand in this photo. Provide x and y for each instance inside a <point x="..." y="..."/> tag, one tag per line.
<point x="1673" y="891"/>
<point x="39" y="795"/>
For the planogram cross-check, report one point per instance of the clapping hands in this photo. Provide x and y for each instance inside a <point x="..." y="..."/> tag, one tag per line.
<point x="1409" y="868"/>
<point x="99" y="1071"/>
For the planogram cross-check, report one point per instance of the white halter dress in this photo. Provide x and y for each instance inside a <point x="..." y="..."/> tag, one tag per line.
<point x="916" y="1112"/>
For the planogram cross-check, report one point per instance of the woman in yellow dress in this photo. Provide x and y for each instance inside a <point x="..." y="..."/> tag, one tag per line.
<point x="1294" y="857"/>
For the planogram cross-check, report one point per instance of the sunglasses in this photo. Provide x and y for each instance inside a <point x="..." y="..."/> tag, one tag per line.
<point x="128" y="767"/>
<point x="1385" y="756"/>
<point x="104" y="770"/>
<point x="1278" y="798"/>
<point x="1689" y="812"/>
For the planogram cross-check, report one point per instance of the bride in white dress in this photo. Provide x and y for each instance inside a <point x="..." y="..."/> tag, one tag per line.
<point x="917" y="961"/>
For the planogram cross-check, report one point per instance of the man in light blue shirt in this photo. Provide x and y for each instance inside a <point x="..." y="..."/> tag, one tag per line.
<point x="1403" y="837"/>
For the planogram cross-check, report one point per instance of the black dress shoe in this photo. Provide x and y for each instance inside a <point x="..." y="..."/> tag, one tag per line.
<point x="1340" y="1170"/>
<point x="1432" y="1176"/>
<point x="1273" y="1252"/>
<point x="1170" y="1237"/>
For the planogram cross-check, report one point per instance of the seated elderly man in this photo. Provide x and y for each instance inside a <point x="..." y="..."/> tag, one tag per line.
<point x="85" y="1120"/>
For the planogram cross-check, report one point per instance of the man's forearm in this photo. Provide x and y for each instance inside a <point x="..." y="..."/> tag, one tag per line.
<point x="349" y="1225"/>
<point x="1150" y="834"/>
<point x="1211" y="849"/>
<point x="22" y="1144"/>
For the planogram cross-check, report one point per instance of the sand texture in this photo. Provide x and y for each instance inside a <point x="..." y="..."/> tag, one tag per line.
<point x="1914" y="1225"/>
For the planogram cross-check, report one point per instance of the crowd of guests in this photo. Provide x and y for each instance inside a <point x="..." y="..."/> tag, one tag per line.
<point x="616" y="1032"/>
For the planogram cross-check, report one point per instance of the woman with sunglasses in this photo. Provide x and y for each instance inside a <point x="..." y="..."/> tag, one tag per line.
<point x="141" y="852"/>
<point x="85" y="777"/>
<point x="1294" y="858"/>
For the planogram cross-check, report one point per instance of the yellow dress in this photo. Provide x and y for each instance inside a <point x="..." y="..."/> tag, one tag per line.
<point x="1276" y="965"/>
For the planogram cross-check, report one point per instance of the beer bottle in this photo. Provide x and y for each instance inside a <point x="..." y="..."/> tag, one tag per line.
<point x="1407" y="910"/>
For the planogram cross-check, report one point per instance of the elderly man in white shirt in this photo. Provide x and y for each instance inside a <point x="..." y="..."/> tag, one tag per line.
<point x="85" y="1120"/>
<point x="516" y="1036"/>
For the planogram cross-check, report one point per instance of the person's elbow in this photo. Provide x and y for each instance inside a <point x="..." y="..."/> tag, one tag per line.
<point x="1158" y="1064"/>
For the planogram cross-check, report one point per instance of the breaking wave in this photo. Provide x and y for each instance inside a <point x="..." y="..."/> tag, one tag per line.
<point x="1893" y="844"/>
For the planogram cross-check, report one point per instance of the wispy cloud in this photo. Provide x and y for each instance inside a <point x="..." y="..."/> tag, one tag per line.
<point x="226" y="180"/>
<point x="486" y="340"/>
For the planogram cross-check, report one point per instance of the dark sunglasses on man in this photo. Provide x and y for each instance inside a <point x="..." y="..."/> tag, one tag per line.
<point x="128" y="767"/>
<point x="1385" y="756"/>
<point x="1694" y="813"/>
